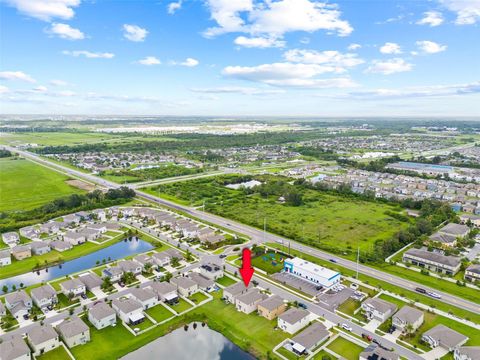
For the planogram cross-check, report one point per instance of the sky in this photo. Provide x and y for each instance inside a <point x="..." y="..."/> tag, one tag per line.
<point x="240" y="57"/>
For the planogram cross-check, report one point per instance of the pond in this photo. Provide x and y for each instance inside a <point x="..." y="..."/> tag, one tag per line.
<point x="201" y="343"/>
<point x="130" y="246"/>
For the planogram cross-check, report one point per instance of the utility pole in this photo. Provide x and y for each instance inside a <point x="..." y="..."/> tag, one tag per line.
<point x="358" y="259"/>
<point x="265" y="229"/>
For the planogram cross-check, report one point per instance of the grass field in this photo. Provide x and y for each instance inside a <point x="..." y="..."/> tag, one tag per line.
<point x="198" y="297"/>
<point x="25" y="185"/>
<point x="327" y="221"/>
<point x="159" y="313"/>
<point x="270" y="262"/>
<point x="225" y="281"/>
<point x="181" y="306"/>
<point x="57" y="354"/>
<point x="250" y="332"/>
<point x="345" y="348"/>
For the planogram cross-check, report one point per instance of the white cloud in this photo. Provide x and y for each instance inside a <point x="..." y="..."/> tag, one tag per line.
<point x="430" y="47"/>
<point x="149" y="60"/>
<point x="46" y="9"/>
<point x="134" y="33"/>
<point x="387" y="67"/>
<point x="390" y="48"/>
<point x="415" y="92"/>
<point x="275" y="18"/>
<point x="431" y="18"/>
<point x="89" y="54"/>
<point x="174" y="6"/>
<point x="331" y="58"/>
<point x="258" y="42"/>
<point x="16" y="75"/>
<point x="40" y="89"/>
<point x="468" y="11"/>
<point x="353" y="47"/>
<point x="238" y="90"/>
<point x="65" y="31"/>
<point x="288" y="74"/>
<point x="3" y="89"/>
<point x="58" y="82"/>
<point x="189" y="62"/>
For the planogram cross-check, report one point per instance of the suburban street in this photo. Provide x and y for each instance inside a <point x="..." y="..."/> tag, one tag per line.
<point x="257" y="235"/>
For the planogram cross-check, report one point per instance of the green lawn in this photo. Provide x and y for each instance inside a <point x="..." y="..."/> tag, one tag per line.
<point x="145" y="324"/>
<point x="330" y="222"/>
<point x="225" y="281"/>
<point x="270" y="262"/>
<point x="475" y="317"/>
<point x="181" y="306"/>
<point x="345" y="348"/>
<point x="323" y="354"/>
<point x="198" y="297"/>
<point x="18" y="191"/>
<point x="159" y="313"/>
<point x="250" y="332"/>
<point x="56" y="354"/>
<point x="63" y="301"/>
<point x="349" y="306"/>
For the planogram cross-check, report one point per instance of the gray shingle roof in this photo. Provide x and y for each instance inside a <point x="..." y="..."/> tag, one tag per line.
<point x="143" y="294"/>
<point x="13" y="347"/>
<point x="473" y="352"/>
<point x="272" y="303"/>
<point x="183" y="282"/>
<point x="445" y="336"/>
<point x="381" y="305"/>
<point x="408" y="314"/>
<point x="237" y="288"/>
<point x="311" y="335"/>
<point x="101" y="311"/>
<point x="452" y="261"/>
<point x="251" y="297"/>
<point x="40" y="334"/>
<point x="127" y="305"/>
<point x="293" y="315"/>
<point x="375" y="352"/>
<point x="163" y="287"/>
<point x="455" y="229"/>
<point x="90" y="280"/>
<point x="43" y="292"/>
<point x="72" y="327"/>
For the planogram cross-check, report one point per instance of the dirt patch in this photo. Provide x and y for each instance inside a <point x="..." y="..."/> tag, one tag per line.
<point x="80" y="184"/>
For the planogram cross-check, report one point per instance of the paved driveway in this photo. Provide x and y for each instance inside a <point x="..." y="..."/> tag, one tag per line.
<point x="373" y="325"/>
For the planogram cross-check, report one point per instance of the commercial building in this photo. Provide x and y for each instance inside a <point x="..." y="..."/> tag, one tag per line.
<point x="434" y="261"/>
<point x="312" y="272"/>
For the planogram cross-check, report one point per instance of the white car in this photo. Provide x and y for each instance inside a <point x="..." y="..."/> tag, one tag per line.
<point x="353" y="286"/>
<point x="434" y="295"/>
<point x="346" y="327"/>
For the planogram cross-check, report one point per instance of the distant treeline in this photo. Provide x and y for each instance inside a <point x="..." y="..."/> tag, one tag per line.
<point x="5" y="153"/>
<point x="65" y="205"/>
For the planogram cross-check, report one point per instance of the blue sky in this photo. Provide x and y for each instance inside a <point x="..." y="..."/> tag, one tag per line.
<point x="240" y="57"/>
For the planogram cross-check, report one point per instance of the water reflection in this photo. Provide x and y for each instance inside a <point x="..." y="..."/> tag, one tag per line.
<point x="201" y="343"/>
<point x="113" y="252"/>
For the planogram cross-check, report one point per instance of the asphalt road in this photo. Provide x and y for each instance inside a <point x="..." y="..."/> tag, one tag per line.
<point x="258" y="236"/>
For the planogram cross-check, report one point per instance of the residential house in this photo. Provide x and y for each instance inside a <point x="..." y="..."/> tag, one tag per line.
<point x="186" y="228"/>
<point x="51" y="227"/>
<point x="30" y="232"/>
<point x="211" y="271"/>
<point x="129" y="310"/>
<point x="293" y="320"/>
<point x="203" y="282"/>
<point x="185" y="286"/>
<point x="161" y="259"/>
<point x="3" y="311"/>
<point x="444" y="337"/>
<point x="74" y="238"/>
<point x="309" y="338"/>
<point x="130" y="266"/>
<point x="204" y="233"/>
<point x="174" y="253"/>
<point x="18" y="303"/>
<point x="249" y="301"/>
<point x="456" y="230"/>
<point x="434" y="261"/>
<point x="40" y="247"/>
<point x="90" y="234"/>
<point x="467" y="353"/>
<point x="73" y="286"/>
<point x="101" y="315"/>
<point x="214" y="239"/>
<point x="5" y="258"/>
<point x="42" y="339"/>
<point x="91" y="281"/>
<point x="44" y="296"/>
<point x="237" y="289"/>
<point x="378" y="309"/>
<point x="375" y="352"/>
<point x="100" y="214"/>
<point x="60" y="246"/>
<point x="445" y="240"/>
<point x="101" y="228"/>
<point x="14" y="348"/>
<point x="21" y="252"/>
<point x="472" y="273"/>
<point x="474" y="219"/>
<point x="113" y="272"/>
<point x="271" y="307"/>
<point x="147" y="297"/>
<point x="165" y="291"/>
<point x="83" y="215"/>
<point x="408" y="319"/>
<point x="143" y="259"/>
<point x="71" y="219"/>
<point x="11" y="238"/>
<point x="74" y="332"/>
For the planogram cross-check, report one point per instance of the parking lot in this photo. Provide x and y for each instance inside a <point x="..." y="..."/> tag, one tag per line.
<point x="297" y="283"/>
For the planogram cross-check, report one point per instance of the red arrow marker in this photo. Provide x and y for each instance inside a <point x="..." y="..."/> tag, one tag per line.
<point x="246" y="270"/>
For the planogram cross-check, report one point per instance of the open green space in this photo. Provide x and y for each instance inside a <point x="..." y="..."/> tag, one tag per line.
<point x="464" y="314"/>
<point x="323" y="355"/>
<point x="25" y="185"/>
<point x="349" y="306"/>
<point x="145" y="324"/>
<point x="345" y="348"/>
<point x="325" y="220"/>
<point x="162" y="172"/>
<point x="56" y="354"/>
<point x="56" y="138"/>
<point x="225" y="281"/>
<point x="288" y="354"/>
<point x="159" y="313"/>
<point x="251" y="332"/>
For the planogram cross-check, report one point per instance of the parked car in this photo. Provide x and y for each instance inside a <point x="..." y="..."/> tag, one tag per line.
<point x="353" y="286"/>
<point x="302" y="305"/>
<point x="366" y="336"/>
<point x="420" y="290"/>
<point x="223" y="256"/>
<point x="346" y="327"/>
